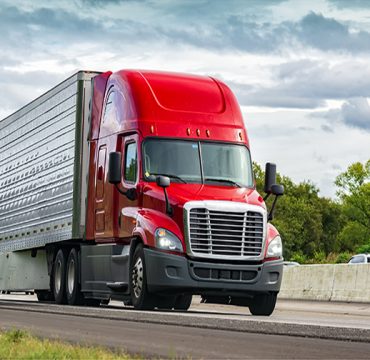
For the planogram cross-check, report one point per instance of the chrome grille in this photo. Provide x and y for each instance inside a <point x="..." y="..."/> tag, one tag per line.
<point x="215" y="233"/>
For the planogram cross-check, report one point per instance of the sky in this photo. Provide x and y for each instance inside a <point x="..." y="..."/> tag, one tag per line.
<point x="300" y="69"/>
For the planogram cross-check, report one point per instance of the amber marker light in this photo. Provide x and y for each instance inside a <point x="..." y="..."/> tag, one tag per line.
<point x="161" y="232"/>
<point x="208" y="133"/>
<point x="198" y="132"/>
<point x="188" y="131"/>
<point x="152" y="129"/>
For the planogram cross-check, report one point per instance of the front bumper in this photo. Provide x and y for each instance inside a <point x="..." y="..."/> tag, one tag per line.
<point x="167" y="273"/>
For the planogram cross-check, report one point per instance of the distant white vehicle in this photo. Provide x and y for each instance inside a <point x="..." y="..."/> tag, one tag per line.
<point x="360" y="259"/>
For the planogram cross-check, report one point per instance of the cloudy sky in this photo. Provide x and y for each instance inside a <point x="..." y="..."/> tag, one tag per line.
<point x="300" y="69"/>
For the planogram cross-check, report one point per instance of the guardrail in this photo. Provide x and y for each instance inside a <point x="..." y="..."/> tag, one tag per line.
<point x="340" y="282"/>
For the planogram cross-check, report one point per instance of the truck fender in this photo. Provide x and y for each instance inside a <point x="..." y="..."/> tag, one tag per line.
<point x="148" y="221"/>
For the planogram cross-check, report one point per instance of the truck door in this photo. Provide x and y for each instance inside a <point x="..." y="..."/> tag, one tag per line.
<point x="130" y="177"/>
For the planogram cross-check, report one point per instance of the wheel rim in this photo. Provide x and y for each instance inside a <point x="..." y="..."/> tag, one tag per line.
<point x="71" y="276"/>
<point x="58" y="276"/>
<point x="137" y="277"/>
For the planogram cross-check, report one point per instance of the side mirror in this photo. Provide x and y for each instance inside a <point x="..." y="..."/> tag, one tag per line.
<point x="277" y="190"/>
<point x="271" y="187"/>
<point x="163" y="181"/>
<point x="114" y="168"/>
<point x="270" y="177"/>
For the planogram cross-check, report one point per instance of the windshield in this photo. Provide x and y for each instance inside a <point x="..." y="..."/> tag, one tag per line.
<point x="198" y="162"/>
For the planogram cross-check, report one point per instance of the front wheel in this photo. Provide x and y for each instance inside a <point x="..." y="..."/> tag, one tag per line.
<point x="140" y="296"/>
<point x="263" y="304"/>
<point x="183" y="302"/>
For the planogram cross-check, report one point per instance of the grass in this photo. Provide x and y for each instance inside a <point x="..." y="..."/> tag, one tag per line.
<point x="18" y="344"/>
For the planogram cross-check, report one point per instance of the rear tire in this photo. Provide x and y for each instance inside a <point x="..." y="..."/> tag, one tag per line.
<point x="263" y="305"/>
<point x="73" y="287"/>
<point x="59" y="278"/>
<point x="183" y="302"/>
<point x="140" y="296"/>
<point x="44" y="295"/>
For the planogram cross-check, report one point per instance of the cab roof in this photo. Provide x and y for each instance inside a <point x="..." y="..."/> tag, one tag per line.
<point x="168" y="105"/>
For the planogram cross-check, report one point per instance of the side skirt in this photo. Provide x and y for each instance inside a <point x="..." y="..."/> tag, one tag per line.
<point x="105" y="270"/>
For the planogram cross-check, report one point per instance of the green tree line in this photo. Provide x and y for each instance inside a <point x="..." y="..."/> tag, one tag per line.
<point x="316" y="229"/>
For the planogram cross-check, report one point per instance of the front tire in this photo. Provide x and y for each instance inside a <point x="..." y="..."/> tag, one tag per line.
<point x="140" y="296"/>
<point x="263" y="304"/>
<point x="73" y="287"/>
<point x="183" y="302"/>
<point x="59" y="278"/>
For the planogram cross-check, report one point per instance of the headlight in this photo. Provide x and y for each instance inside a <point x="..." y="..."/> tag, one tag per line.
<point x="165" y="240"/>
<point x="275" y="248"/>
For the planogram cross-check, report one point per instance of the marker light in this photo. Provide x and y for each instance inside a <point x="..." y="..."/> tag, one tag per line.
<point x="166" y="240"/>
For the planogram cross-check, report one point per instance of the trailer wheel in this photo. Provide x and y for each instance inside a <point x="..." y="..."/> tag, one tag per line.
<point x="44" y="295"/>
<point x="183" y="302"/>
<point x="73" y="287"/>
<point x="263" y="304"/>
<point x="140" y="296"/>
<point x="59" y="278"/>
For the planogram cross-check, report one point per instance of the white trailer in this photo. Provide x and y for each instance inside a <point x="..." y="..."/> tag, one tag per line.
<point x="43" y="180"/>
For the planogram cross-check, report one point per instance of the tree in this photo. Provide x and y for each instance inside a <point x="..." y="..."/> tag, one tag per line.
<point x="298" y="215"/>
<point x="351" y="180"/>
<point x="314" y="228"/>
<point x="354" y="192"/>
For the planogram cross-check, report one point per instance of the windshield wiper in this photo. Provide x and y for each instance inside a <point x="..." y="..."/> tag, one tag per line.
<point x="223" y="180"/>
<point x="171" y="176"/>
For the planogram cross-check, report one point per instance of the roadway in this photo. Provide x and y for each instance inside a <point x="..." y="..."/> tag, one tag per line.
<point x="297" y="329"/>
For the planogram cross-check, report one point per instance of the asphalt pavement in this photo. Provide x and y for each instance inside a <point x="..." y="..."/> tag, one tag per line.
<point x="304" y="330"/>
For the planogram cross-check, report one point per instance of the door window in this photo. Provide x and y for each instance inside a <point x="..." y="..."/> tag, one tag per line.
<point x="130" y="162"/>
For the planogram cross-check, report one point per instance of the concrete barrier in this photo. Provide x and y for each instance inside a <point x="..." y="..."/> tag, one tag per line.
<point x="340" y="282"/>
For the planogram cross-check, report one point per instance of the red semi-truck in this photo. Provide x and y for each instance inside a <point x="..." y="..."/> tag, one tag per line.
<point x="138" y="186"/>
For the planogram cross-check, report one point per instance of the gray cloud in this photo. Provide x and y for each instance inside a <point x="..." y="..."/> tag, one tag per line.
<point x="350" y="4"/>
<point x="105" y="2"/>
<point x="327" y="128"/>
<point x="356" y="113"/>
<point x="329" y="34"/>
<point x="46" y="33"/>
<point x="244" y="33"/>
<point x="308" y="84"/>
<point x="353" y="113"/>
<point x="216" y="25"/>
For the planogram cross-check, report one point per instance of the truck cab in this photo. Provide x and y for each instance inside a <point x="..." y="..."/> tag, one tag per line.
<point x="171" y="187"/>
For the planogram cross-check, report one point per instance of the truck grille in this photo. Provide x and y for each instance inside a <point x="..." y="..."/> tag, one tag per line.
<point x="214" y="233"/>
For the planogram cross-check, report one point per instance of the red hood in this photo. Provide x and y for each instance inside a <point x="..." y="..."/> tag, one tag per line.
<point x="179" y="194"/>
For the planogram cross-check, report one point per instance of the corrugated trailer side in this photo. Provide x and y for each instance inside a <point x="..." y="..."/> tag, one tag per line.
<point x="43" y="167"/>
